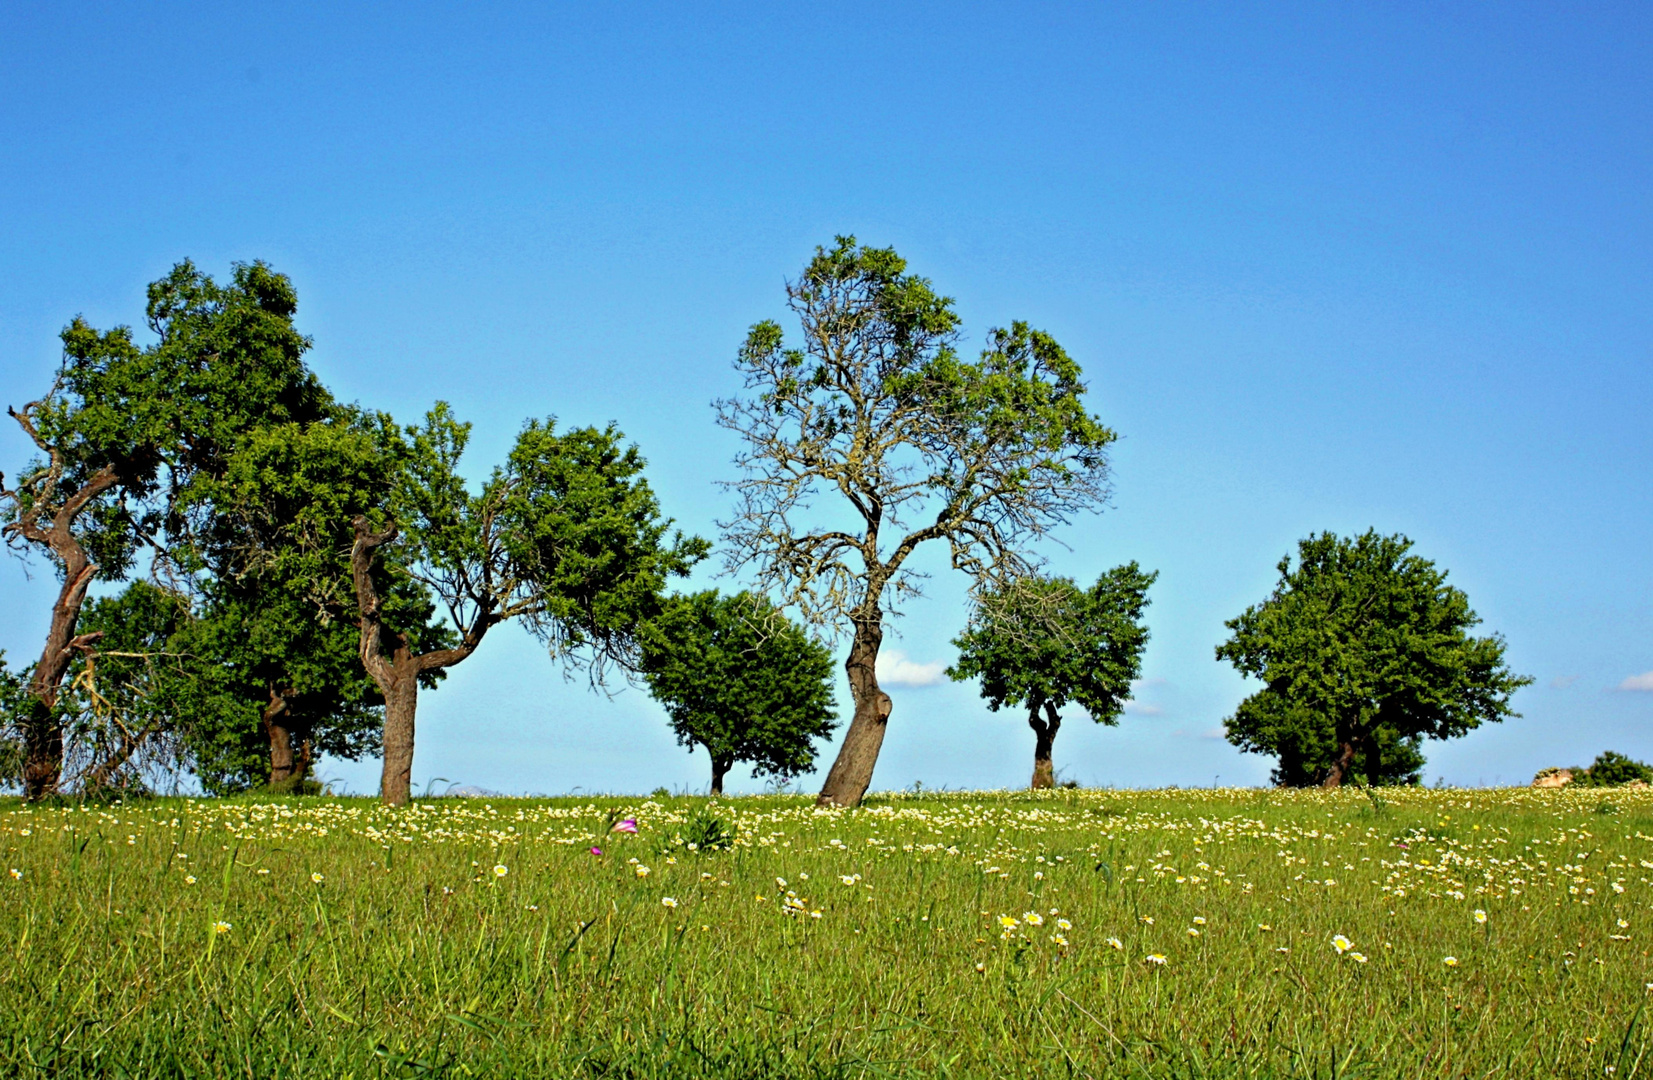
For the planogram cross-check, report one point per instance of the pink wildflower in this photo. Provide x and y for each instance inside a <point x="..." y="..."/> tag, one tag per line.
<point x="628" y="825"/>
<point x="596" y="851"/>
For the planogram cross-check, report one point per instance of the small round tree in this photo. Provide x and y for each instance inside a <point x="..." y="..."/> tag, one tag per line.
<point x="739" y="678"/>
<point x="1044" y="642"/>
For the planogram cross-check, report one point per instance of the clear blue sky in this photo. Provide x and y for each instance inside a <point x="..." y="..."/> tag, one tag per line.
<point x="1325" y="266"/>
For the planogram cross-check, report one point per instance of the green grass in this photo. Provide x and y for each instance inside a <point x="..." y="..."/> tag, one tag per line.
<point x="411" y="957"/>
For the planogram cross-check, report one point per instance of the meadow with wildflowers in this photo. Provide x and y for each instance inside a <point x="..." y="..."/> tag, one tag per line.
<point x="1062" y="933"/>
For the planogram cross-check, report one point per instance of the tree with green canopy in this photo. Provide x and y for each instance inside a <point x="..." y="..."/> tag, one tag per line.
<point x="565" y="536"/>
<point x="1043" y="643"/>
<point x="1305" y="747"/>
<point x="1362" y="642"/>
<point x="280" y="611"/>
<point x="874" y="414"/>
<point x="124" y="430"/>
<point x="742" y="680"/>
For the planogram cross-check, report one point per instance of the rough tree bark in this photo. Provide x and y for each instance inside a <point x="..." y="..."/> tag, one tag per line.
<point x="851" y="772"/>
<point x="277" y="729"/>
<point x="1044" y="734"/>
<point x="392" y="664"/>
<point x="1349" y="744"/>
<point x="42" y="729"/>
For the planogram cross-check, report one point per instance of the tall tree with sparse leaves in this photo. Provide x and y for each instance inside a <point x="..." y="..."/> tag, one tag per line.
<point x="1357" y="637"/>
<point x="870" y="436"/>
<point x="1047" y="642"/>
<point x="742" y="680"/>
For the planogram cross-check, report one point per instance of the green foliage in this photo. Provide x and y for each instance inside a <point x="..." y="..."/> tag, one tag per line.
<point x="164" y="416"/>
<point x="1612" y="769"/>
<point x="706" y="832"/>
<point x="232" y="360"/>
<point x="1305" y="746"/>
<point x="584" y="532"/>
<point x="740" y="679"/>
<point x="567" y="536"/>
<point x="132" y="706"/>
<point x="874" y="405"/>
<point x="1045" y="640"/>
<point x="15" y="706"/>
<point x="282" y="612"/>
<point x="1361" y="646"/>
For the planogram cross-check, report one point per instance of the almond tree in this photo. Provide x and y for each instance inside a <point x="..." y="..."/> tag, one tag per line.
<point x="566" y="536"/>
<point x="871" y="436"/>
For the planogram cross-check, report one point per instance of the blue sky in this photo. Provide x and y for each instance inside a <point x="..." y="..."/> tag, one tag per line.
<point x="1325" y="266"/>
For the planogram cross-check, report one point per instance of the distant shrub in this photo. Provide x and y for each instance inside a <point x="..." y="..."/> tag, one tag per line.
<point x="1613" y="769"/>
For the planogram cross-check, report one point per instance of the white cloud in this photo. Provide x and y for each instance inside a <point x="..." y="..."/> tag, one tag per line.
<point x="1561" y="682"/>
<point x="1143" y="708"/>
<point x="894" y="669"/>
<point x="1644" y="681"/>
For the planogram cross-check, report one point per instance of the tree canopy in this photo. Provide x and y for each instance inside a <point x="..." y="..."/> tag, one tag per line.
<point x="1043" y="643"/>
<point x="874" y="413"/>
<point x="1360" y="637"/>
<point x="566" y="535"/>
<point x="125" y="431"/>
<point x="281" y="606"/>
<point x="740" y="679"/>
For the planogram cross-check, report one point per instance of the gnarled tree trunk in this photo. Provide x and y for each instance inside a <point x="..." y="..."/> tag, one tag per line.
<point x="394" y="666"/>
<point x="851" y="772"/>
<point x="1349" y="744"/>
<point x="1044" y="734"/>
<point x="278" y="730"/>
<point x="42" y="729"/>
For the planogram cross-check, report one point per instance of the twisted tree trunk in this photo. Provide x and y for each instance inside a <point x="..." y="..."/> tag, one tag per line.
<point x="276" y="721"/>
<point x="1044" y="734"/>
<point x="1349" y="743"/>
<point x="393" y="665"/>
<point x="851" y="772"/>
<point x="43" y="728"/>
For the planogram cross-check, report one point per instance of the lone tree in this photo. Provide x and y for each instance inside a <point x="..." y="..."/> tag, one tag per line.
<point x="1044" y="643"/>
<point x="739" y="678"/>
<point x="1361" y="642"/>
<point x="123" y="430"/>
<point x="566" y="536"/>
<point x="875" y="411"/>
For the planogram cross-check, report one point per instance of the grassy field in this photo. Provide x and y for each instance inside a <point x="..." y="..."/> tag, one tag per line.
<point x="1073" y="933"/>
